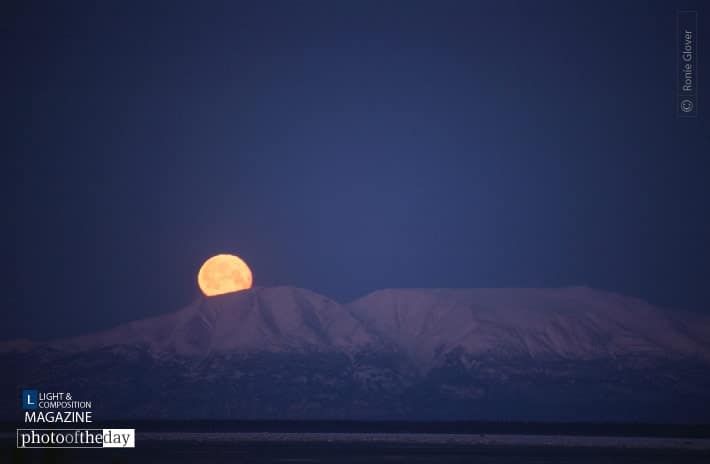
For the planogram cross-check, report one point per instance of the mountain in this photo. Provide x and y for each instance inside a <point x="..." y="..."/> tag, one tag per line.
<point x="479" y="354"/>
<point x="274" y="319"/>
<point x="569" y="323"/>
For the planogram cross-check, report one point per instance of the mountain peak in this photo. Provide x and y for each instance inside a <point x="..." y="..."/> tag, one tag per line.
<point x="425" y="353"/>
<point x="425" y="324"/>
<point x="573" y="322"/>
<point x="259" y="319"/>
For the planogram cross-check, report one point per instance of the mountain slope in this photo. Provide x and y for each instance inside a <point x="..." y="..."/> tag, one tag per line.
<point x="568" y="323"/>
<point x="288" y="353"/>
<point x="262" y="319"/>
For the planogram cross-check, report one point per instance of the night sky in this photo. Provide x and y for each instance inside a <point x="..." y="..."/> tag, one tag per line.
<point x="344" y="147"/>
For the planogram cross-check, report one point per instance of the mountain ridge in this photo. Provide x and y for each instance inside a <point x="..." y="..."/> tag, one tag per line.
<point x="564" y="322"/>
<point x="408" y="354"/>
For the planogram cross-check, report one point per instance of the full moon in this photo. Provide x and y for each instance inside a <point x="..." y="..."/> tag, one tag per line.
<point x="224" y="274"/>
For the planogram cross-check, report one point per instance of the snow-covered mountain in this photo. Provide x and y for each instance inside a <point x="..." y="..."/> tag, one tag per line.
<point x="567" y="323"/>
<point x="285" y="352"/>
<point x="274" y="319"/>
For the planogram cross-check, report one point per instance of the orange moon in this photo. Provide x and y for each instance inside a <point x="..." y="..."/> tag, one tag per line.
<point x="224" y="274"/>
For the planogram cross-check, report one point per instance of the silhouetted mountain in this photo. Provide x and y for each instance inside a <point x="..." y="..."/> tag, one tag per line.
<point x="283" y="352"/>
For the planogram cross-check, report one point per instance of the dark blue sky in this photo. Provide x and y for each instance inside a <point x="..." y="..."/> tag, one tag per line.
<point x="345" y="147"/>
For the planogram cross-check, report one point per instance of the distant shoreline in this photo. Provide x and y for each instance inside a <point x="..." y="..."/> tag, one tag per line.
<point x="438" y="439"/>
<point x="489" y="428"/>
<point x="412" y="441"/>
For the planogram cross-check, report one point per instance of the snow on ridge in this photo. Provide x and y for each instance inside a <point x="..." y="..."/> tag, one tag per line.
<point x="261" y="319"/>
<point x="425" y="324"/>
<point x="575" y="322"/>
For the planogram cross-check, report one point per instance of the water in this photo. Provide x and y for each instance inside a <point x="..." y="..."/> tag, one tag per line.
<point x="375" y="448"/>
